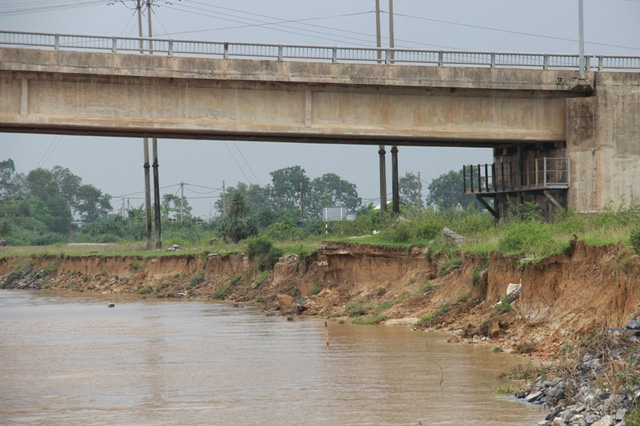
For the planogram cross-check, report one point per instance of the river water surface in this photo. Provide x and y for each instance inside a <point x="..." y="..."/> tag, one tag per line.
<point x="66" y="359"/>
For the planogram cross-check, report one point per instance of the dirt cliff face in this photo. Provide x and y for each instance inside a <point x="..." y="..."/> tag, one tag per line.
<point x="562" y="296"/>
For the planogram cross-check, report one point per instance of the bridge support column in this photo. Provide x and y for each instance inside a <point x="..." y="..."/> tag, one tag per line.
<point x="383" y="181"/>
<point x="394" y="180"/>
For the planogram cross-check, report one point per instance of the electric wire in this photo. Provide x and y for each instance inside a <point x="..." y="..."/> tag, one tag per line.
<point x="246" y="162"/>
<point x="481" y="27"/>
<point x="142" y="192"/>
<point x="52" y="147"/>
<point x="238" y="164"/>
<point x="370" y="38"/>
<point x="319" y="35"/>
<point x="50" y="8"/>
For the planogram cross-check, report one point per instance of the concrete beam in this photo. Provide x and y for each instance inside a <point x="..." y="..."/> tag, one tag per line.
<point x="203" y="98"/>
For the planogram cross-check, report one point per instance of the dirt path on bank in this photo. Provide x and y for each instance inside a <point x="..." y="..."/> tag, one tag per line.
<point x="562" y="297"/>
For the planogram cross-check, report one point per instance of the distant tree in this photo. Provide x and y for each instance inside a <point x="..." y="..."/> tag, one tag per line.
<point x="254" y="195"/>
<point x="446" y="191"/>
<point x="237" y="224"/>
<point x="170" y="207"/>
<point x="286" y="187"/>
<point x="259" y="197"/>
<point x="408" y="187"/>
<point x="12" y="184"/>
<point x="330" y="190"/>
<point x="42" y="185"/>
<point x="69" y="185"/>
<point x="86" y="201"/>
<point x="91" y="204"/>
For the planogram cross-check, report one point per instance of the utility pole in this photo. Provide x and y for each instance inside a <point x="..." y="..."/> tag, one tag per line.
<point x="381" y="151"/>
<point x="181" y="200"/>
<point x="154" y="143"/>
<point x="149" y="21"/>
<point x="301" y="204"/>
<point x="391" y="36"/>
<point x="395" y="188"/>
<point x="378" y="37"/>
<point x="419" y="193"/>
<point x="224" y="200"/>
<point x="581" y="38"/>
<point x="147" y="183"/>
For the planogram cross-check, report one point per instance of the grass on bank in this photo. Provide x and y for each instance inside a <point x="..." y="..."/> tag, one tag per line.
<point x="525" y="234"/>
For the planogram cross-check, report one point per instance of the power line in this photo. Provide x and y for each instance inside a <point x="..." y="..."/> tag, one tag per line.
<point x="52" y="147"/>
<point x="251" y="22"/>
<point x="43" y="7"/>
<point x="142" y="192"/>
<point x="259" y="23"/>
<point x="481" y="27"/>
<point x="238" y="164"/>
<point x="245" y="161"/>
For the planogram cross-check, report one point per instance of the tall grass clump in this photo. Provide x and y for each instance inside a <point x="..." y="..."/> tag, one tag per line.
<point x="528" y="238"/>
<point x="261" y="250"/>
<point x="635" y="239"/>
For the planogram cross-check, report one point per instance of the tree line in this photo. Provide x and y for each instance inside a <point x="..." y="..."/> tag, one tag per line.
<point x="40" y="207"/>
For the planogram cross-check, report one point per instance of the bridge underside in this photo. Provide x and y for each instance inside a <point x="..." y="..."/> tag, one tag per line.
<point x="57" y="92"/>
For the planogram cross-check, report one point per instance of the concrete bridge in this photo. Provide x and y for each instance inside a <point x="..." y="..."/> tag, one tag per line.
<point x="525" y="106"/>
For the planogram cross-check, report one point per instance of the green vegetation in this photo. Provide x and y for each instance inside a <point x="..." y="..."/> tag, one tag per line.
<point x="197" y="278"/>
<point x="390" y="303"/>
<point x="317" y="288"/>
<point x="449" y="266"/>
<point x="145" y="290"/>
<point x="633" y="419"/>
<point x="37" y="209"/>
<point x="355" y="308"/>
<point x="220" y="293"/>
<point x="223" y="292"/>
<point x="263" y="276"/>
<point x="426" y="287"/>
<point x="477" y="275"/>
<point x="369" y="320"/>
<point x="425" y="321"/>
<point x="503" y="307"/>
<point x="635" y="239"/>
<point x="525" y="349"/>
<point x="261" y="249"/>
<point x="504" y="389"/>
<point x="235" y="279"/>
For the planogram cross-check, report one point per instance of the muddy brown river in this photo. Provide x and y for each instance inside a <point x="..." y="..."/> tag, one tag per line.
<point x="66" y="359"/>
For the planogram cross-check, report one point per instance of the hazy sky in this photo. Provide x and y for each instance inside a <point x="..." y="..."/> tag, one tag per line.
<point x="114" y="165"/>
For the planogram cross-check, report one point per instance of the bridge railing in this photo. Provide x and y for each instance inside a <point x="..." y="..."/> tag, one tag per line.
<point x="332" y="54"/>
<point x="529" y="175"/>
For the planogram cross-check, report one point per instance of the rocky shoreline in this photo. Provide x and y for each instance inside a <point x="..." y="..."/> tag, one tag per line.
<point x="595" y="384"/>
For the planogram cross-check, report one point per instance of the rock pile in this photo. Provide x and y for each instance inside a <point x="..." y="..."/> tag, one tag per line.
<point x="599" y="385"/>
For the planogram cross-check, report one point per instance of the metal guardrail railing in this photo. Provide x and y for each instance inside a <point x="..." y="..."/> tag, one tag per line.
<point x="312" y="53"/>
<point x="533" y="174"/>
